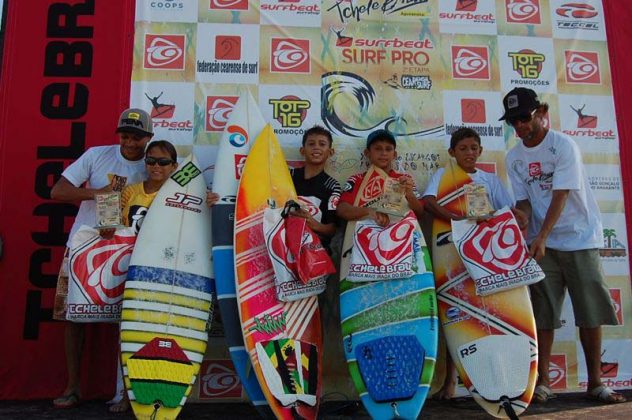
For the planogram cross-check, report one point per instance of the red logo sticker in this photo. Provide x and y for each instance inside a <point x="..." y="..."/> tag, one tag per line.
<point x="228" y="47"/>
<point x="583" y="120"/>
<point x="228" y="5"/>
<point x="164" y="52"/>
<point x="397" y="236"/>
<point x="288" y="55"/>
<point x="615" y="295"/>
<point x="473" y="111"/>
<point x="557" y="371"/>
<point x="218" y="110"/>
<point x="470" y="62"/>
<point x="535" y="169"/>
<point x="160" y="110"/>
<point x="523" y="11"/>
<point x="218" y="379"/>
<point x="466" y="5"/>
<point x="240" y="161"/>
<point x="582" y="67"/>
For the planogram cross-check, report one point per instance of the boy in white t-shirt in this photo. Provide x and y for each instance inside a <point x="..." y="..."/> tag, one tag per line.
<point x="564" y="234"/>
<point x="465" y="148"/>
<point x="100" y="169"/>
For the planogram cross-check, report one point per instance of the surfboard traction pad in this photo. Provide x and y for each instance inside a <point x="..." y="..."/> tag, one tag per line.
<point x="391" y="366"/>
<point x="290" y="369"/>
<point x="497" y="365"/>
<point x="160" y="372"/>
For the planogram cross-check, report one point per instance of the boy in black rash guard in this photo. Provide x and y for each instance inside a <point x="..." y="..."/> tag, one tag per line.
<point x="318" y="192"/>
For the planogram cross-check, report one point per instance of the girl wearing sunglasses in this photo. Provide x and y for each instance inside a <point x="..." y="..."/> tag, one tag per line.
<point x="160" y="162"/>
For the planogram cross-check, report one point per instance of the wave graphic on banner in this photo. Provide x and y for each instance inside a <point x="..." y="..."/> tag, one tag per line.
<point x="346" y="83"/>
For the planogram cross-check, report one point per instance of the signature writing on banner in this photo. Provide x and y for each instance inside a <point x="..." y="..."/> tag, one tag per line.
<point x="350" y="10"/>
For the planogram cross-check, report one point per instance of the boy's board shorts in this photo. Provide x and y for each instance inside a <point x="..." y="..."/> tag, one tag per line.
<point x="61" y="293"/>
<point x="581" y="274"/>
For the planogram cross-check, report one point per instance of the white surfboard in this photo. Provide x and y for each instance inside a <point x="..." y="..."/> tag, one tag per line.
<point x="167" y="298"/>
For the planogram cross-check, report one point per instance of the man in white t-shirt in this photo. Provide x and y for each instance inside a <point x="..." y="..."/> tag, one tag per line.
<point x="564" y="233"/>
<point x="100" y="169"/>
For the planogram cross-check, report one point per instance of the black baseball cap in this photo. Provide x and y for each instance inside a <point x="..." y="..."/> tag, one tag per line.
<point x="380" y="134"/>
<point x="135" y="121"/>
<point x="519" y="101"/>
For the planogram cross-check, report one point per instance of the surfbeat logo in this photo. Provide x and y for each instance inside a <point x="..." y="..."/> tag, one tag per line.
<point x="161" y="111"/>
<point x="463" y="13"/>
<point x="101" y="268"/>
<point x="228" y="5"/>
<point x="523" y="11"/>
<point x="164" y="52"/>
<point x="289" y="55"/>
<point x="470" y="62"/>
<point x="582" y="67"/>
<point x="497" y="247"/>
<point x="218" y="110"/>
<point x="290" y="110"/>
<point x="218" y="379"/>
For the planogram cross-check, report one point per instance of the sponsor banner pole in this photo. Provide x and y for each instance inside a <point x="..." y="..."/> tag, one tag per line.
<point x="66" y="71"/>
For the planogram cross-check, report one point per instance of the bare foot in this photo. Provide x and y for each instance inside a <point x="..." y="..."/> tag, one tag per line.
<point x="121" y="406"/>
<point x="447" y="391"/>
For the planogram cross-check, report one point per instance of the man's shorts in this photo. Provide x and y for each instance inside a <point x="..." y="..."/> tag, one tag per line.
<point x="580" y="272"/>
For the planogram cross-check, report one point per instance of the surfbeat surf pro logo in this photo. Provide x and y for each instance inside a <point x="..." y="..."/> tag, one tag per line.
<point x="99" y="267"/>
<point x="382" y="253"/>
<point x="496" y="255"/>
<point x="362" y="94"/>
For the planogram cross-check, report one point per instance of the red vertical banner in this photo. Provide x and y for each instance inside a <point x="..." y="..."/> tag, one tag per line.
<point x="65" y="78"/>
<point x="619" y="33"/>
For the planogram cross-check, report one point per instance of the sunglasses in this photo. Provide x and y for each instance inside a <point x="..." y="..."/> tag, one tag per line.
<point x="523" y="118"/>
<point x="150" y="161"/>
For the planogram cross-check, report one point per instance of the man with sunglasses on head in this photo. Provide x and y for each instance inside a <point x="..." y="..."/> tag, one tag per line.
<point x="564" y="234"/>
<point x="100" y="169"/>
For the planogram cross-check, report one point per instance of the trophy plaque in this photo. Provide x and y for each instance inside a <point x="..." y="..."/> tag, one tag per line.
<point x="393" y="199"/>
<point x="108" y="210"/>
<point x="477" y="202"/>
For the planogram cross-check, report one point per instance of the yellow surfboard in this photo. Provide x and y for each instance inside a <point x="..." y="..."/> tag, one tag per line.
<point x="492" y="339"/>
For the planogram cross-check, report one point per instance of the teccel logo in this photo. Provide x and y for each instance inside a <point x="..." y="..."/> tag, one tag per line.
<point x="523" y="11"/>
<point x="577" y="11"/>
<point x="164" y="52"/>
<point x="582" y="67"/>
<point x="290" y="55"/>
<point x="470" y="62"/>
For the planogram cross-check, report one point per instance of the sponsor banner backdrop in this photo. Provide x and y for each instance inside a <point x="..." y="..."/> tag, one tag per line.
<point x="420" y="69"/>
